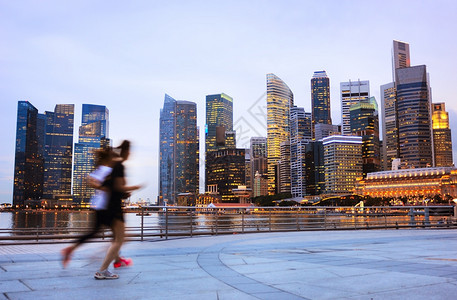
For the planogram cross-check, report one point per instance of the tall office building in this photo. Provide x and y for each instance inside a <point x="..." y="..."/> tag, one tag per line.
<point x="219" y="121"/>
<point x="300" y="135"/>
<point x="284" y="168"/>
<point x="414" y="117"/>
<point x="343" y="163"/>
<point x="442" y="139"/>
<point x="178" y="150"/>
<point x="93" y="134"/>
<point x="389" y="125"/>
<point x="29" y="160"/>
<point x="315" y="168"/>
<point x="58" y="153"/>
<point x="324" y="130"/>
<point x="400" y="56"/>
<point x="365" y="123"/>
<point x="279" y="101"/>
<point x="248" y="178"/>
<point x="226" y="170"/>
<point x="320" y="99"/>
<point x="258" y="153"/>
<point x="351" y="93"/>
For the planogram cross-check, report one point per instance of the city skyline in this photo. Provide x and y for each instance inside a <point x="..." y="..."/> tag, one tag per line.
<point x="113" y="59"/>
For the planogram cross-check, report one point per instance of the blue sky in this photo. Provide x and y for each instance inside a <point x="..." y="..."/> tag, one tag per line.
<point x="128" y="55"/>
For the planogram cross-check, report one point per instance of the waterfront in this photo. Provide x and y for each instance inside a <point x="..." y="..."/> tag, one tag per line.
<point x="64" y="224"/>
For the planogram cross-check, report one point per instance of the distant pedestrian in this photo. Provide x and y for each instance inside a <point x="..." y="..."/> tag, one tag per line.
<point x="104" y="160"/>
<point x="118" y="190"/>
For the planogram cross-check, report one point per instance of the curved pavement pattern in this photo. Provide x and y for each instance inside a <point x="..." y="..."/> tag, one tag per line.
<point x="384" y="264"/>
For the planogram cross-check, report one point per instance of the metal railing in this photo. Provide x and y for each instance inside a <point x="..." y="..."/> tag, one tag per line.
<point x="168" y="222"/>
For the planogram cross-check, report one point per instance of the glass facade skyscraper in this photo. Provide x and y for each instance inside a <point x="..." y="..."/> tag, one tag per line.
<point x="442" y="138"/>
<point x="178" y="150"/>
<point x="351" y="93"/>
<point x="29" y="160"/>
<point x="280" y="100"/>
<point x="389" y="125"/>
<point x="320" y="99"/>
<point x="58" y="152"/>
<point x="365" y="123"/>
<point x="219" y="121"/>
<point x="93" y="134"/>
<point x="414" y="117"/>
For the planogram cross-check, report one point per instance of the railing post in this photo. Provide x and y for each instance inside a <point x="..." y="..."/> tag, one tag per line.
<point x="269" y="219"/>
<point x="166" y="223"/>
<point x="325" y="218"/>
<point x="37" y="233"/>
<point x="142" y="222"/>
<point x="242" y="220"/>
<point x="191" y="221"/>
<point x="427" y="216"/>
<point x="297" y="220"/>
<point x="217" y="216"/>
<point x="412" y="221"/>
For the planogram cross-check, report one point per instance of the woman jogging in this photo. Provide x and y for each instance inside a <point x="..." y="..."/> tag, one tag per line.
<point x="118" y="189"/>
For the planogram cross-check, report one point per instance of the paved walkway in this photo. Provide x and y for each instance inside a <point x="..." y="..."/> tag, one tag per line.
<point x="383" y="264"/>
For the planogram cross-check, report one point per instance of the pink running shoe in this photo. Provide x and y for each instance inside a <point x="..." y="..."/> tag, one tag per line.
<point x="123" y="262"/>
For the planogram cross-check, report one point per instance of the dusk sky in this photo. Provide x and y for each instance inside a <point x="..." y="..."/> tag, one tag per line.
<point x="127" y="55"/>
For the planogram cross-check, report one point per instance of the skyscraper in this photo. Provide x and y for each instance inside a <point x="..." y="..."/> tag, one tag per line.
<point x="58" y="153"/>
<point x="343" y="163"/>
<point x="226" y="169"/>
<point x="219" y="120"/>
<point x="315" y="168"/>
<point x="300" y="136"/>
<point x="400" y="56"/>
<point x="351" y="93"/>
<point x="179" y="150"/>
<point x="279" y="101"/>
<point x="320" y="99"/>
<point x="365" y="123"/>
<point x="284" y="168"/>
<point x="389" y="125"/>
<point x="414" y="117"/>
<point x="442" y="139"/>
<point x="93" y="134"/>
<point x="29" y="160"/>
<point x="259" y="156"/>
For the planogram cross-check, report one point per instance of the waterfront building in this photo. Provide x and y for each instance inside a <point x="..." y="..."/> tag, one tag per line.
<point x="279" y="101"/>
<point x="248" y="178"/>
<point x="389" y="125"/>
<point x="300" y="136"/>
<point x="284" y="168"/>
<point x="29" y="160"/>
<point x="365" y="123"/>
<point x="258" y="152"/>
<point x="93" y="135"/>
<point x="58" y="154"/>
<point x="442" y="138"/>
<point x="414" y="117"/>
<point x="427" y="182"/>
<point x="260" y="185"/>
<point x="225" y="170"/>
<point x="343" y="163"/>
<point x="219" y="121"/>
<point x="178" y="150"/>
<point x="324" y="130"/>
<point x="352" y="92"/>
<point x="320" y="99"/>
<point x="315" y="168"/>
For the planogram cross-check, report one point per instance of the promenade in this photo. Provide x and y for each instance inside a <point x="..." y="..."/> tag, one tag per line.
<point x="364" y="264"/>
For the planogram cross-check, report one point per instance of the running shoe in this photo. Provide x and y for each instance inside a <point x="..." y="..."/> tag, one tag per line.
<point x="105" y="275"/>
<point x="123" y="262"/>
<point x="66" y="256"/>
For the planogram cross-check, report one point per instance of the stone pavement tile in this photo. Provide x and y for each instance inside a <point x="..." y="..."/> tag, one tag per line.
<point x="351" y="271"/>
<point x="164" y="277"/>
<point x="288" y="276"/>
<point x="20" y="274"/>
<point x="7" y="286"/>
<point x="277" y="296"/>
<point x="374" y="283"/>
<point x="308" y="291"/>
<point x="438" y="291"/>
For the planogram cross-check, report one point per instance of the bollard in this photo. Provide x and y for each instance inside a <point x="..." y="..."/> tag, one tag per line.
<point x="142" y="222"/>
